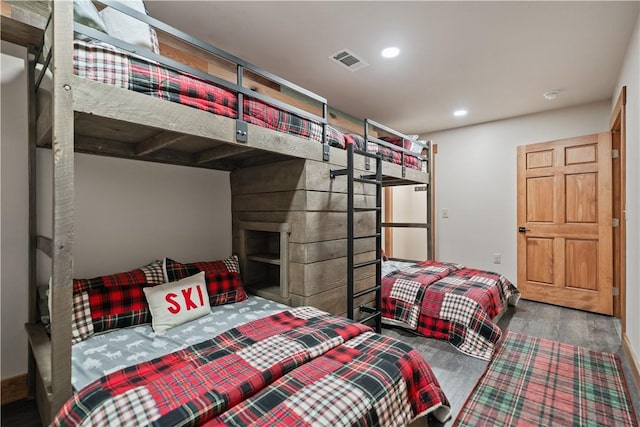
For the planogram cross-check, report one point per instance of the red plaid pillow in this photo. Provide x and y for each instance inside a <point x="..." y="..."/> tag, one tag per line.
<point x="111" y="302"/>
<point x="397" y="140"/>
<point x="223" y="278"/>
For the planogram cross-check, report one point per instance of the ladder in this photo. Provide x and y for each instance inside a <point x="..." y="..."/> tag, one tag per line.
<point x="374" y="313"/>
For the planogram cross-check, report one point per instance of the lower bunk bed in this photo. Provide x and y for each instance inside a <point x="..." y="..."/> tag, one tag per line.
<point x="448" y="302"/>
<point x="214" y="356"/>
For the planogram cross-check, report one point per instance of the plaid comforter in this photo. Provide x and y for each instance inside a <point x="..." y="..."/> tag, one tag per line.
<point x="105" y="64"/>
<point x="301" y="366"/>
<point x="448" y="302"/>
<point x="387" y="154"/>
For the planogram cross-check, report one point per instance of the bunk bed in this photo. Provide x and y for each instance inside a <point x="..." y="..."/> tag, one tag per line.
<point x="110" y="116"/>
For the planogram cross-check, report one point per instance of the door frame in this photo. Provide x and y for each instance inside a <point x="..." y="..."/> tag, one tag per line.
<point x="617" y="127"/>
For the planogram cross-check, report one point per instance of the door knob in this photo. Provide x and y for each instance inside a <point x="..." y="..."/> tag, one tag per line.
<point x="523" y="230"/>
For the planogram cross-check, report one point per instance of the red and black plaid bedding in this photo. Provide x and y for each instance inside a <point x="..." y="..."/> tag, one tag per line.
<point x="388" y="154"/>
<point x="298" y="367"/>
<point x="105" y="64"/>
<point x="448" y="302"/>
<point x="112" y="302"/>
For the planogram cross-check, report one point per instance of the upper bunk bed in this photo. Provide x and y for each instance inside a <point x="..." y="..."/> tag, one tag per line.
<point x="108" y="82"/>
<point x="84" y="112"/>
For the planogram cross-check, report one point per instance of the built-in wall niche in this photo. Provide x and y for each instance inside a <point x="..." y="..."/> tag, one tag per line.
<point x="264" y="259"/>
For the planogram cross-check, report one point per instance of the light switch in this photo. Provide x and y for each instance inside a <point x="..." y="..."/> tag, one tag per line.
<point x="497" y="258"/>
<point x="445" y="213"/>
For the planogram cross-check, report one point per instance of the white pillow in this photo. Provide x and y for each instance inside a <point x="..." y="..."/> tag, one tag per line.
<point x="85" y="12"/>
<point x="175" y="303"/>
<point x="128" y="28"/>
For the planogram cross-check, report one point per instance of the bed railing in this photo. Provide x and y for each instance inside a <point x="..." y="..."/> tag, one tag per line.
<point x="426" y="147"/>
<point x="241" y="67"/>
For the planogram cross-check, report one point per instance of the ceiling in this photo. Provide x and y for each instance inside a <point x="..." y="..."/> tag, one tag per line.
<point x="494" y="59"/>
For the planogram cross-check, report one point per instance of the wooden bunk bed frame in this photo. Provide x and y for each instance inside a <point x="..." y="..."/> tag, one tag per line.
<point x="91" y="117"/>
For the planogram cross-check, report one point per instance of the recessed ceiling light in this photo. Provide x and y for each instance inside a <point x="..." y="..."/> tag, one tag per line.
<point x="390" y="52"/>
<point x="552" y="94"/>
<point x="460" y="113"/>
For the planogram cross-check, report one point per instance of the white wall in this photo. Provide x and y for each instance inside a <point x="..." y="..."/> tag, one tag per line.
<point x="476" y="181"/>
<point x="127" y="213"/>
<point x="410" y="206"/>
<point x="630" y="77"/>
<point x="14" y="207"/>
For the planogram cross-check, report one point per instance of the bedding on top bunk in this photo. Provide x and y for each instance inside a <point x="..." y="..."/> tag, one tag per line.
<point x="300" y="366"/>
<point x="449" y="302"/>
<point x="103" y="63"/>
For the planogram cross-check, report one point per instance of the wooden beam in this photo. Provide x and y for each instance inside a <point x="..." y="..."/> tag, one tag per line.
<point x="273" y="227"/>
<point x="44" y="244"/>
<point x="261" y="159"/>
<point x="103" y="147"/>
<point x="41" y="349"/>
<point x="220" y="152"/>
<point x="33" y="223"/>
<point x="158" y="142"/>
<point x="44" y="127"/>
<point x="63" y="206"/>
<point x="21" y="25"/>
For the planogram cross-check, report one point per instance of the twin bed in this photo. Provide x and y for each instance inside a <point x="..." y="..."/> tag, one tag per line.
<point x="447" y="301"/>
<point x="246" y="360"/>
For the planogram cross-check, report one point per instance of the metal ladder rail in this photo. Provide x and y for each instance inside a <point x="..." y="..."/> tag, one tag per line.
<point x="374" y="313"/>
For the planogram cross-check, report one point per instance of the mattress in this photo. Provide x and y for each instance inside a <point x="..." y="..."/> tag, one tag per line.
<point x="105" y="64"/>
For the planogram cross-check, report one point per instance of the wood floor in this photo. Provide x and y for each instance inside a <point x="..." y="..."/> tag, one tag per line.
<point x="456" y="372"/>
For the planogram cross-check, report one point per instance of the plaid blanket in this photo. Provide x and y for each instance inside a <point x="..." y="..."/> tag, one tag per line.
<point x="538" y="382"/>
<point x="448" y="302"/>
<point x="388" y="154"/>
<point x="285" y="364"/>
<point x="105" y="64"/>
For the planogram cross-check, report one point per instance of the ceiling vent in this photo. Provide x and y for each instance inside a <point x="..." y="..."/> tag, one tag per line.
<point x="348" y="59"/>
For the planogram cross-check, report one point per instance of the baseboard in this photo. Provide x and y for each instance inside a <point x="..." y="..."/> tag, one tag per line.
<point x="631" y="356"/>
<point x="14" y="389"/>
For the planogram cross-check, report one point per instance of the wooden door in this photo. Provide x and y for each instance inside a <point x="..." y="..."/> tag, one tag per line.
<point x="564" y="223"/>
